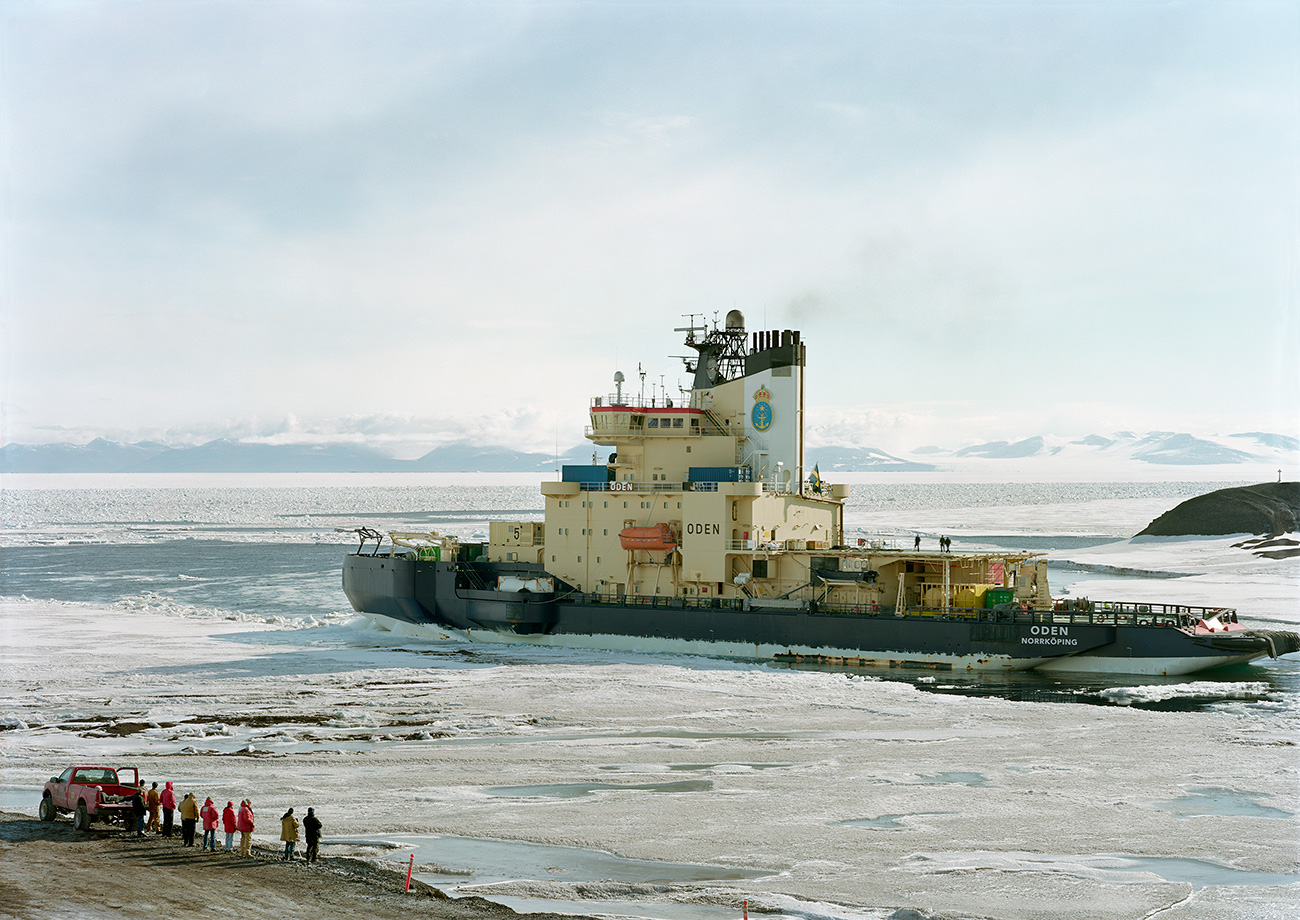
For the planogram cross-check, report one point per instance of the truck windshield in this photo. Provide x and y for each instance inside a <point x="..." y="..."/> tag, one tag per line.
<point x="97" y="776"/>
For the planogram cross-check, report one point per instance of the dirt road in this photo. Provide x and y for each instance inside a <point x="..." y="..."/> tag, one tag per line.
<point x="53" y="871"/>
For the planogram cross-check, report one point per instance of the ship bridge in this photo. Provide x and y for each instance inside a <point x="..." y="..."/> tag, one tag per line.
<point x="710" y="475"/>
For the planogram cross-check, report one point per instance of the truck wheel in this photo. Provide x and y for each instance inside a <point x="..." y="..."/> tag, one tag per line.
<point x="47" y="810"/>
<point x="81" y="818"/>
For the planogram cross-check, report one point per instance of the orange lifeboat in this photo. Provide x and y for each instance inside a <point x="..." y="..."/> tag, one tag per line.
<point x="659" y="538"/>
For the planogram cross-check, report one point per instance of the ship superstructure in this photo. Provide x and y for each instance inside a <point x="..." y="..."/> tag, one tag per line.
<point x="698" y="528"/>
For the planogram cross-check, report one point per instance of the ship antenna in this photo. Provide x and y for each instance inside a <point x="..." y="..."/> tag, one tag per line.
<point x="640" y="370"/>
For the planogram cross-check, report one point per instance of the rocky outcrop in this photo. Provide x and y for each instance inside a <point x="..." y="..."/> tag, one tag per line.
<point x="1269" y="508"/>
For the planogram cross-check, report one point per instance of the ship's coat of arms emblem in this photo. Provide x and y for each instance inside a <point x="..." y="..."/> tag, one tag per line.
<point x="761" y="415"/>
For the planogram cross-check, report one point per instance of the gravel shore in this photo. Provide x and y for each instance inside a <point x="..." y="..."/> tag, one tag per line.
<point x="53" y="871"/>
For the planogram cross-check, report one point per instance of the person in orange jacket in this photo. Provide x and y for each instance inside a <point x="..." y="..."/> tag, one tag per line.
<point x="153" y="801"/>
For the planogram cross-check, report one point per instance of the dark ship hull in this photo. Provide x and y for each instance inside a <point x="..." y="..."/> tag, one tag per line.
<point x="461" y="600"/>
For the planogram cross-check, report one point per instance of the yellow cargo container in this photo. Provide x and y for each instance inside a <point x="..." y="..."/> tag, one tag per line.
<point x="971" y="596"/>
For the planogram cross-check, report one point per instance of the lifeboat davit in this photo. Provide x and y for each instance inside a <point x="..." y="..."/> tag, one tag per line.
<point x="659" y="538"/>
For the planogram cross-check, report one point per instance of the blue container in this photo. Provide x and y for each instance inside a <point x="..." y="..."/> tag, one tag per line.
<point x="586" y="473"/>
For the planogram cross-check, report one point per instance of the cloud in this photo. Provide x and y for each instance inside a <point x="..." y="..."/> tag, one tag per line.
<point x="233" y="212"/>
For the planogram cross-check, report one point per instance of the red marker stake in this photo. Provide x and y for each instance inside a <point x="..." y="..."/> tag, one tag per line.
<point x="409" y="867"/>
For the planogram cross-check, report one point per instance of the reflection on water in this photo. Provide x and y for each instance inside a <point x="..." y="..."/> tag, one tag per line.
<point x="1200" y="873"/>
<point x="1218" y="801"/>
<point x="658" y="910"/>
<point x="479" y="862"/>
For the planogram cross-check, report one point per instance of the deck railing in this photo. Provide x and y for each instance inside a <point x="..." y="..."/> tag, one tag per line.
<point x="623" y="485"/>
<point x="1108" y="613"/>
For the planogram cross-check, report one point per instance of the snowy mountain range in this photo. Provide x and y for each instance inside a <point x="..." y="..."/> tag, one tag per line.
<point x="1043" y="452"/>
<point x="228" y="456"/>
<point x="1157" y="447"/>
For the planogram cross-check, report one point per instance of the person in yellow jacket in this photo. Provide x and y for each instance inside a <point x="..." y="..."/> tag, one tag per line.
<point x="288" y="832"/>
<point x="189" y="810"/>
<point x="153" y="803"/>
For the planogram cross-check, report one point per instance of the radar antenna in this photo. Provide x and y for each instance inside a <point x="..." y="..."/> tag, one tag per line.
<point x="721" y="352"/>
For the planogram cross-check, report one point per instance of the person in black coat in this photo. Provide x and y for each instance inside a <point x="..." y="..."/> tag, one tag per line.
<point x="311" y="829"/>
<point x="138" y="811"/>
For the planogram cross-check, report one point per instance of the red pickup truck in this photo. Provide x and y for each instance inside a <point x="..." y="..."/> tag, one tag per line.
<point x="90" y="794"/>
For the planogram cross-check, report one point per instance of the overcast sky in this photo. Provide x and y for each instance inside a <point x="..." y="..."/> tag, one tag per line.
<point x="407" y="223"/>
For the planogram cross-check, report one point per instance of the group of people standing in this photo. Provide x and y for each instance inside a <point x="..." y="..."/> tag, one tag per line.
<point x="945" y="544"/>
<point x="311" y="831"/>
<point x="155" y="801"/>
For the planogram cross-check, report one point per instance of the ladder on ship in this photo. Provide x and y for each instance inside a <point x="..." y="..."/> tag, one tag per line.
<point x="716" y="422"/>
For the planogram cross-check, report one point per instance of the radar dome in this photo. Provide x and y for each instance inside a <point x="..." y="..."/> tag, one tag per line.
<point x="735" y="320"/>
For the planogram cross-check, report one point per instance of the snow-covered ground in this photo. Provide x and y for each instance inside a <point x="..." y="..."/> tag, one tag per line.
<point x="678" y="786"/>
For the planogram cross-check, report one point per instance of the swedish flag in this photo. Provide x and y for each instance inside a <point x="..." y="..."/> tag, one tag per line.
<point x="816" y="479"/>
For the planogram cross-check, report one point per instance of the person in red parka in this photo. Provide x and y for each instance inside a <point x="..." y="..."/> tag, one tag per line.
<point x="244" y="823"/>
<point x="168" y="802"/>
<point x="228" y="823"/>
<point x="211" y="818"/>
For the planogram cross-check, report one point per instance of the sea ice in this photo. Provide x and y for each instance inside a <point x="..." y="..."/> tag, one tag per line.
<point x="1030" y="810"/>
